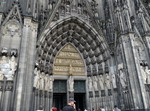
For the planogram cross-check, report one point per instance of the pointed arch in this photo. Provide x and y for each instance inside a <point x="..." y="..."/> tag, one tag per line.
<point x="84" y="37"/>
<point x="68" y="61"/>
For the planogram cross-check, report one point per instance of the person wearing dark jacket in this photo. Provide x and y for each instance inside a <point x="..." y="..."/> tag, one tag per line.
<point x="70" y="106"/>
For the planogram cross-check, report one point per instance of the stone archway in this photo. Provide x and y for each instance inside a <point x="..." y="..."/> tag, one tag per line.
<point x="92" y="49"/>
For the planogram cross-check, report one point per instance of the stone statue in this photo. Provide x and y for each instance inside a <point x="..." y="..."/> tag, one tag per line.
<point x="71" y="84"/>
<point x="123" y="79"/>
<point x="147" y="71"/>
<point x="101" y="82"/>
<point x="143" y="74"/>
<point x="90" y="84"/>
<point x="13" y="64"/>
<point x="42" y="76"/>
<point x="51" y="80"/>
<point x="95" y="83"/>
<point x="1" y="75"/>
<point x="5" y="67"/>
<point x="114" y="81"/>
<point x="107" y="81"/>
<point x="46" y="82"/>
<point x="36" y="78"/>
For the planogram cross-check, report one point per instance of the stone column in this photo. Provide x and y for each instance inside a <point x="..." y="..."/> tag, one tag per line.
<point x="24" y="85"/>
<point x="136" y="87"/>
<point x="8" y="96"/>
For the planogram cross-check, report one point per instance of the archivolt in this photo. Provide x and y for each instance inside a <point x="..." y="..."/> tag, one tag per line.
<point x="91" y="45"/>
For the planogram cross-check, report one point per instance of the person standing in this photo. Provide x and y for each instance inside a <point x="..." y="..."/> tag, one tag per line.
<point x="116" y="108"/>
<point x="70" y="106"/>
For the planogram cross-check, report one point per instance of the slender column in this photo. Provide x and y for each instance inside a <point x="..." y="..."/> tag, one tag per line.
<point x="137" y="89"/>
<point x="24" y="88"/>
<point x="7" y="97"/>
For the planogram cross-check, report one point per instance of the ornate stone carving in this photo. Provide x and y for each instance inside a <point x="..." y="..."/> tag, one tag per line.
<point x="1" y="75"/>
<point x="12" y="28"/>
<point x="70" y="84"/>
<point x="49" y="83"/>
<point x="101" y="82"/>
<point x="36" y="78"/>
<point x="123" y="78"/>
<point x="114" y="80"/>
<point x="108" y="81"/>
<point x="90" y="85"/>
<point x="146" y="74"/>
<point x="42" y="76"/>
<point x="95" y="83"/>
<point x="69" y="62"/>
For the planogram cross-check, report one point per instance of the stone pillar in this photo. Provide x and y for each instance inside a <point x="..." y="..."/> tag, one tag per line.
<point x="8" y="96"/>
<point x="51" y="99"/>
<point x="1" y="18"/>
<point x="24" y="83"/>
<point x="136" y="87"/>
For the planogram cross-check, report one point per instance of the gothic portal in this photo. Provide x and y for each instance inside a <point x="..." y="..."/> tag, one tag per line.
<point x="97" y="51"/>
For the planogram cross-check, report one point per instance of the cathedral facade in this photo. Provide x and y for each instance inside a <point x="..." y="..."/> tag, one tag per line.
<point x="96" y="51"/>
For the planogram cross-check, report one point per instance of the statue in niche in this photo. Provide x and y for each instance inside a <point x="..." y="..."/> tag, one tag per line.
<point x="67" y="8"/>
<point x="95" y="83"/>
<point x="90" y="84"/>
<point x="49" y="83"/>
<point x="101" y="82"/>
<point x="1" y="75"/>
<point x="13" y="64"/>
<point x="107" y="81"/>
<point x="42" y="76"/>
<point x="70" y="84"/>
<point x="36" y="78"/>
<point x="46" y="82"/>
<point x="114" y="81"/>
<point x="51" y="80"/>
<point x="147" y="71"/>
<point x="123" y="78"/>
<point x="145" y="74"/>
<point x="5" y="67"/>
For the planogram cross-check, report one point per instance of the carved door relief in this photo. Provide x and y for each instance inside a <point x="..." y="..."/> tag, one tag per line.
<point x="68" y="62"/>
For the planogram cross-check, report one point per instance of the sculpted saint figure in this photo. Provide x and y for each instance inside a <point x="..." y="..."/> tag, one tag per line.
<point x="51" y="80"/>
<point x="90" y="84"/>
<point x="107" y="81"/>
<point x="42" y="76"/>
<point x="95" y="83"/>
<point x="36" y="78"/>
<point x="147" y="71"/>
<point x="71" y="84"/>
<point x="122" y="79"/>
<point x="101" y="82"/>
<point x="1" y="75"/>
<point x="13" y="64"/>
<point x="114" y="81"/>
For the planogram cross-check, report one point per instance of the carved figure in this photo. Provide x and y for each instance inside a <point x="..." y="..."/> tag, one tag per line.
<point x="101" y="82"/>
<point x="107" y="81"/>
<point x="42" y="76"/>
<point x="95" y="83"/>
<point x="1" y="75"/>
<point x="114" y="81"/>
<point x="122" y="79"/>
<point x="13" y="64"/>
<point x="51" y="80"/>
<point x="36" y="78"/>
<point x="71" y="84"/>
<point x="90" y="84"/>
